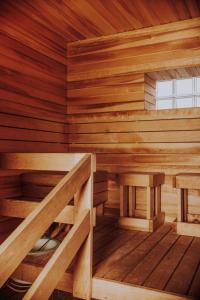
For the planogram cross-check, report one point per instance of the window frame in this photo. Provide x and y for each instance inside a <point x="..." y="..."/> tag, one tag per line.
<point x="194" y="94"/>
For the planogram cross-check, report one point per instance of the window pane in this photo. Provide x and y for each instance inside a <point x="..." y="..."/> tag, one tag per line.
<point x="184" y="86"/>
<point x="165" y="104"/>
<point x="184" y="102"/>
<point x="198" y="85"/>
<point x="198" y="101"/>
<point x="164" y="88"/>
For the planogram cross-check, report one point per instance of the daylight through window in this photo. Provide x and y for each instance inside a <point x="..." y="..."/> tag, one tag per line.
<point x="178" y="93"/>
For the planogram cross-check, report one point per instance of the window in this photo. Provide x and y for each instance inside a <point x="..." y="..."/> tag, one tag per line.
<point x="178" y="93"/>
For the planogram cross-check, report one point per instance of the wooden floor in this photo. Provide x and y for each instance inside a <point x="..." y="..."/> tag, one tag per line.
<point x="161" y="260"/>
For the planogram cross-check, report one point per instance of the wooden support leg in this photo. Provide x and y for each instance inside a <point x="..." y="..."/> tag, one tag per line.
<point x="180" y="205"/>
<point x="100" y="210"/>
<point x="157" y="200"/>
<point x="131" y="201"/>
<point x="150" y="203"/>
<point x="123" y="201"/>
<point x="82" y="285"/>
<point x="185" y="204"/>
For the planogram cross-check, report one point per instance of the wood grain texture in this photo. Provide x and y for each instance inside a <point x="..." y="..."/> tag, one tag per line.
<point x="32" y="80"/>
<point x="107" y="74"/>
<point x="151" y="49"/>
<point x="106" y="79"/>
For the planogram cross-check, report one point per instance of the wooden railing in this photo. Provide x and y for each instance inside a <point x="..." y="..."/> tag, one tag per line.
<point x="78" y="183"/>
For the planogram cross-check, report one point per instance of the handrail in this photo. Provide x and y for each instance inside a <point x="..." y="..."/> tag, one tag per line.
<point x="48" y="279"/>
<point x="38" y="221"/>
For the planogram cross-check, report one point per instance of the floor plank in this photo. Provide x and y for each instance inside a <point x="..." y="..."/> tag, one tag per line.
<point x="114" y="241"/>
<point x="195" y="286"/>
<point x="182" y="277"/>
<point x="130" y="261"/>
<point x="104" y="267"/>
<point x="160" y="276"/>
<point x="161" y="260"/>
<point x="143" y="270"/>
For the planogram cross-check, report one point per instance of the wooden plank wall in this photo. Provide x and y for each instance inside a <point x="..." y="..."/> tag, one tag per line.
<point x="32" y="81"/>
<point x="155" y="48"/>
<point x="123" y="134"/>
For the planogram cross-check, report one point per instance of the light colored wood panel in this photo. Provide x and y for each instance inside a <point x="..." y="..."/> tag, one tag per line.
<point x="166" y="114"/>
<point x="82" y="287"/>
<point x="138" y="137"/>
<point x="149" y="64"/>
<point x="114" y="97"/>
<point x="150" y="160"/>
<point x="106" y="90"/>
<point x="107" y="81"/>
<point x="181" y="40"/>
<point x="22" y="208"/>
<point x="35" y="161"/>
<point x="158" y="148"/>
<point x="133" y="126"/>
<point x="188" y="181"/>
<point x="188" y="229"/>
<point x="81" y="109"/>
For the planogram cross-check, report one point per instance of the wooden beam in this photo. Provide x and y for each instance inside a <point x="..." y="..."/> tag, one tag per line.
<point x="123" y="201"/>
<point x="108" y="290"/>
<point x="50" y="276"/>
<point x="41" y="218"/>
<point x="29" y="273"/>
<point x="82" y="286"/>
<point x="39" y="161"/>
<point x="190" y="229"/>
<point x="22" y="208"/>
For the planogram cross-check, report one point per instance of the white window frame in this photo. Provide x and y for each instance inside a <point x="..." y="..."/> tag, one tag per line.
<point x="194" y="95"/>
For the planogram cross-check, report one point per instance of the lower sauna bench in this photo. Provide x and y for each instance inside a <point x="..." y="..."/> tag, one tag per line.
<point x="158" y="265"/>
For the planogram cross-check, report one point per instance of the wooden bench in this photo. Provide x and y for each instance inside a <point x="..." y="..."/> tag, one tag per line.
<point x="128" y="183"/>
<point x="184" y="182"/>
<point x="39" y="184"/>
<point x="21" y="191"/>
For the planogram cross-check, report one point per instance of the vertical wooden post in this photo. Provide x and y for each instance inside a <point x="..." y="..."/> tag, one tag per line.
<point x="185" y="204"/>
<point x="82" y="278"/>
<point x="100" y="210"/>
<point x="131" y="201"/>
<point x="123" y="201"/>
<point x="158" y="200"/>
<point x="150" y="204"/>
<point x="180" y="205"/>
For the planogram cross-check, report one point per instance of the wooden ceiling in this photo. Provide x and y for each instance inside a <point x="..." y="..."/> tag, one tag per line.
<point x="81" y="19"/>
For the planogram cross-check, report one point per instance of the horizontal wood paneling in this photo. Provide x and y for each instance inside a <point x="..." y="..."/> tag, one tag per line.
<point x="145" y="50"/>
<point x="107" y="74"/>
<point x="32" y="81"/>
<point x="117" y="93"/>
<point x="175" y="128"/>
<point x="127" y="137"/>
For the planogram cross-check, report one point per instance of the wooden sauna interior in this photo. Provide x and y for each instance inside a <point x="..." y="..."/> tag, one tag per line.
<point x="79" y="76"/>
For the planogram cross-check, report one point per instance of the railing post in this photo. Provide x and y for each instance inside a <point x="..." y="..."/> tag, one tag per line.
<point x="82" y="283"/>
